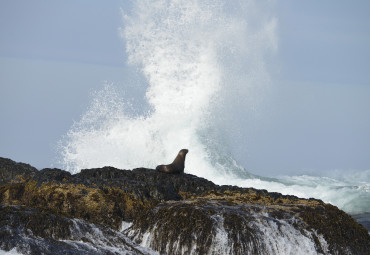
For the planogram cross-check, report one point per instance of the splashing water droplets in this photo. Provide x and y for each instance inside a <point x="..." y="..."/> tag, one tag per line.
<point x="177" y="46"/>
<point x="178" y="61"/>
<point x="205" y="65"/>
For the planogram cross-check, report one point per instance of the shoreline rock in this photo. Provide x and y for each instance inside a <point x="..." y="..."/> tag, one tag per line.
<point x="182" y="214"/>
<point x="37" y="231"/>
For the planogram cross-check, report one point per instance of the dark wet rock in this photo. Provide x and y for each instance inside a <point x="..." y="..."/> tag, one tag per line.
<point x="340" y="230"/>
<point x="176" y="214"/>
<point x="223" y="225"/>
<point x="13" y="171"/>
<point x="48" y="175"/>
<point x="36" y="231"/>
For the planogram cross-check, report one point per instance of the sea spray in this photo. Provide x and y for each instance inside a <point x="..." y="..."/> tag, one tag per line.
<point x="204" y="62"/>
<point x="351" y="196"/>
<point x="185" y="50"/>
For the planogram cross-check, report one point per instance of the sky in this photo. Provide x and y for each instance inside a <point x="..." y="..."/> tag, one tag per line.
<point x="315" y="117"/>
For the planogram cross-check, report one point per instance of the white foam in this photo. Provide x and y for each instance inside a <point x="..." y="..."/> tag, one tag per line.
<point x="11" y="252"/>
<point x="280" y="237"/>
<point x="220" y="244"/>
<point x="351" y="196"/>
<point x="100" y="241"/>
<point x="125" y="225"/>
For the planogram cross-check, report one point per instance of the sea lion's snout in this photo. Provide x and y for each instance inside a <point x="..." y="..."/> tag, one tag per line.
<point x="184" y="151"/>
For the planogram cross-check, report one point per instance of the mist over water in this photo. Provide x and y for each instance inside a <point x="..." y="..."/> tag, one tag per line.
<point x="203" y="60"/>
<point x="185" y="50"/>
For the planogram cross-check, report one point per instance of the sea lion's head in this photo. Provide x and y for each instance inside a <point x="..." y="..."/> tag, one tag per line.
<point x="183" y="152"/>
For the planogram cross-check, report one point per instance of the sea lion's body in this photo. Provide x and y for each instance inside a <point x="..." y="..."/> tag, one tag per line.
<point x="177" y="166"/>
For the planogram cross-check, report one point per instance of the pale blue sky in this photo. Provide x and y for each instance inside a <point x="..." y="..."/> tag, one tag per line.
<point x="53" y="54"/>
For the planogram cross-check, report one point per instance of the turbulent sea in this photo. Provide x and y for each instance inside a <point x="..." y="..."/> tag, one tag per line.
<point x="200" y="59"/>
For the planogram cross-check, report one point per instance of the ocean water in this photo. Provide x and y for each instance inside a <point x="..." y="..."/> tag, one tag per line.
<point x="201" y="60"/>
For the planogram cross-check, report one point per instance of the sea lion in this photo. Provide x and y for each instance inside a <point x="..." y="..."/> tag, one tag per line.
<point x="177" y="166"/>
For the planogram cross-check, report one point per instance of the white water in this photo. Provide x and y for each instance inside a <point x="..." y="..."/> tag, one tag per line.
<point x="90" y="238"/>
<point x="11" y="252"/>
<point x="202" y="60"/>
<point x="270" y="236"/>
<point x="281" y="237"/>
<point x="350" y="195"/>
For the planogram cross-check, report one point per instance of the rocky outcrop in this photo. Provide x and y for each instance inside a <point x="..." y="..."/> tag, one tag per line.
<point x="225" y="224"/>
<point x="37" y="231"/>
<point x="175" y="214"/>
<point x="11" y="171"/>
